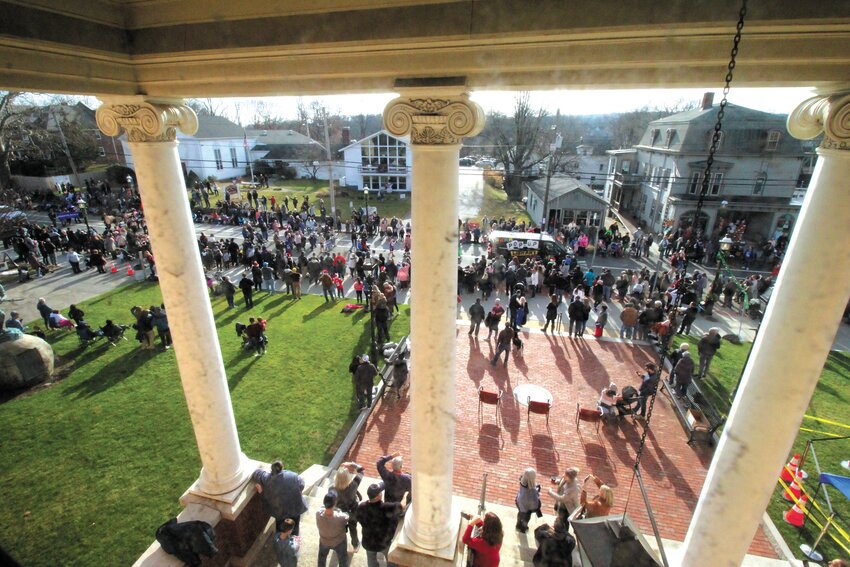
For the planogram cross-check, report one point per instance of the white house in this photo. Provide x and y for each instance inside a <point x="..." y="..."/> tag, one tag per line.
<point x="217" y="149"/>
<point x="379" y="161"/>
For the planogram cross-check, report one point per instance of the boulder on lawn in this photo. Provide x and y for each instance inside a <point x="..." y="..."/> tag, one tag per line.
<point x="24" y="362"/>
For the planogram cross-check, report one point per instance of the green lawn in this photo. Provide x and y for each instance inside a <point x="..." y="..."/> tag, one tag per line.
<point x="830" y="402"/>
<point x="94" y="463"/>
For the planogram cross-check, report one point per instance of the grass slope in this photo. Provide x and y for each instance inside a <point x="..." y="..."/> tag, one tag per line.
<point x="831" y="402"/>
<point x="93" y="464"/>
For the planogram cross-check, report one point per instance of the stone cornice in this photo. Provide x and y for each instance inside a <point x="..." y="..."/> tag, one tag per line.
<point x="829" y="114"/>
<point x="146" y="121"/>
<point x="433" y="121"/>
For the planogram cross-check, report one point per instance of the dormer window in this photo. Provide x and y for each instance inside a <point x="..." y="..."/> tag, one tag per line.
<point x="720" y="136"/>
<point x="773" y="138"/>
<point x="668" y="137"/>
<point x="653" y="136"/>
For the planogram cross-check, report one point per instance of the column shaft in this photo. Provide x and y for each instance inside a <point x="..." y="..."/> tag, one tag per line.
<point x="184" y="291"/>
<point x="433" y="327"/>
<point x="786" y="363"/>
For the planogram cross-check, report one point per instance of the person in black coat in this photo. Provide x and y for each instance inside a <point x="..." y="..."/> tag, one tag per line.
<point x="246" y="284"/>
<point x="554" y="545"/>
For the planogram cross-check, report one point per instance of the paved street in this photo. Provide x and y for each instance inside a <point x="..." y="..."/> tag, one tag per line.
<point x="62" y="288"/>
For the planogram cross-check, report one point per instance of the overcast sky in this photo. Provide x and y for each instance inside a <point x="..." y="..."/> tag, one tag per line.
<point x="583" y="102"/>
<point x="778" y="100"/>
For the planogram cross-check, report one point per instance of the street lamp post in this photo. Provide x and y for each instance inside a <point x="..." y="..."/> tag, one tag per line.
<point x="368" y="266"/>
<point x="83" y="206"/>
<point x="366" y="195"/>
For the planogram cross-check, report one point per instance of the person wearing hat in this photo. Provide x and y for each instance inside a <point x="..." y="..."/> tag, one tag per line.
<point x="332" y="525"/>
<point x="379" y="521"/>
<point x="295" y="279"/>
<point x="364" y="380"/>
<point x="286" y="547"/>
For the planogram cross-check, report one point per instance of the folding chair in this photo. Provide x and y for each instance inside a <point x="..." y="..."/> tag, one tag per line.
<point x="491" y="399"/>
<point x="539" y="408"/>
<point x="588" y="415"/>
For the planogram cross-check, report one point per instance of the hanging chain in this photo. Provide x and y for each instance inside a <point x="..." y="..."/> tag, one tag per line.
<point x="645" y="432"/>
<point x="715" y="138"/>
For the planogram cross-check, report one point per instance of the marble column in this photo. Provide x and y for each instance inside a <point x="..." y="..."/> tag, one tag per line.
<point x="788" y="356"/>
<point x="151" y="127"/>
<point x="436" y="121"/>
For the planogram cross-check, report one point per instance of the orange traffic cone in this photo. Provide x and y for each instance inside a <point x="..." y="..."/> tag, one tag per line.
<point x="789" y="471"/>
<point x="113" y="269"/>
<point x="795" y="515"/>
<point x="794" y="490"/>
<point x="130" y="271"/>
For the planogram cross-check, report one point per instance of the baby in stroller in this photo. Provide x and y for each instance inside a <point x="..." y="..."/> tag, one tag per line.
<point x="613" y="406"/>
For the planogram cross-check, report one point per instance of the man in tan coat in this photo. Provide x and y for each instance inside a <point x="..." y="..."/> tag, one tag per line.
<point x="629" y="317"/>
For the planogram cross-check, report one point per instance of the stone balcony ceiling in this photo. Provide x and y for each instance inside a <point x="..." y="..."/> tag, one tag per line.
<point x="179" y="48"/>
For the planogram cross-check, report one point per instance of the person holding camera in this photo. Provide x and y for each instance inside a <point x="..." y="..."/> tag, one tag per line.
<point x="486" y="542"/>
<point x="567" y="492"/>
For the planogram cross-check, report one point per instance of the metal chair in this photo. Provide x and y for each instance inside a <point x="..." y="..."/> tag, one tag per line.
<point x="491" y="399"/>
<point x="588" y="415"/>
<point x="539" y="408"/>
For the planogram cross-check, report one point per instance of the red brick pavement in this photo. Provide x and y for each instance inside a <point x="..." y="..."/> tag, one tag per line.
<point x="673" y="471"/>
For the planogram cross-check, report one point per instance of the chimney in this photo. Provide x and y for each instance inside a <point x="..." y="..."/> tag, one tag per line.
<point x="707" y="101"/>
<point x="346" y="136"/>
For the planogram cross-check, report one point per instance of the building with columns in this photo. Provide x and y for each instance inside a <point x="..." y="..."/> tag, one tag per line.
<point x="142" y="59"/>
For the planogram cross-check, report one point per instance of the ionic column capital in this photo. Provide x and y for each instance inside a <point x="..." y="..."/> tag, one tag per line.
<point x="829" y="114"/>
<point x="146" y="120"/>
<point x="439" y="120"/>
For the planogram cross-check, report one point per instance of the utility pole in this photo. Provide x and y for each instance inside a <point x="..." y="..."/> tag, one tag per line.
<point x="67" y="151"/>
<point x="553" y="147"/>
<point x="330" y="167"/>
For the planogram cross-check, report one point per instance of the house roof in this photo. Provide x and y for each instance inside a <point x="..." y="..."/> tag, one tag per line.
<point x="572" y="190"/>
<point x="211" y="127"/>
<point x="279" y="137"/>
<point x="405" y="139"/>
<point x="744" y="130"/>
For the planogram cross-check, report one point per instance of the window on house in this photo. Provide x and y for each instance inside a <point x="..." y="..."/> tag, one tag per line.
<point x="101" y="152"/>
<point x="234" y="161"/>
<point x="626" y="167"/>
<point x="97" y="134"/>
<point x="218" y="163"/>
<point x="653" y="136"/>
<point x="668" y="137"/>
<point x="696" y="183"/>
<point x="716" y="183"/>
<point x="601" y="167"/>
<point x="772" y="140"/>
<point x="758" y="188"/>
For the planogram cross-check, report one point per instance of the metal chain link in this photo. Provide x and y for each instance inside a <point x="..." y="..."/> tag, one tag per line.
<point x="715" y="138"/>
<point x="705" y="182"/>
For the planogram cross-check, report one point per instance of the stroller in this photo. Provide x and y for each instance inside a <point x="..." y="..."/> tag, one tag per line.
<point x="628" y="404"/>
<point x="247" y="342"/>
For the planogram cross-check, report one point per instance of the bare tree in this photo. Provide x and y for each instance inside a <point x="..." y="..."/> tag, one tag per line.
<point x="9" y="121"/>
<point x="520" y="143"/>
<point x="206" y="106"/>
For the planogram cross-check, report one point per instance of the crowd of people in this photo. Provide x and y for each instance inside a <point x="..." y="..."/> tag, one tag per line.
<point x="346" y="518"/>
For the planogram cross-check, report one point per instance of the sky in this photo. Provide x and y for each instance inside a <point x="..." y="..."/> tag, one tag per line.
<point x="578" y="102"/>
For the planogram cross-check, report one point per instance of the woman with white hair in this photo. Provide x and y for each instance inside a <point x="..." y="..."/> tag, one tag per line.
<point x="527" y="499"/>
<point x="348" y="478"/>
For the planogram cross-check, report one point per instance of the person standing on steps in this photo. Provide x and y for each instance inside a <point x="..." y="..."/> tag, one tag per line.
<point x="379" y="521"/>
<point x="281" y="493"/>
<point x="332" y="525"/>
